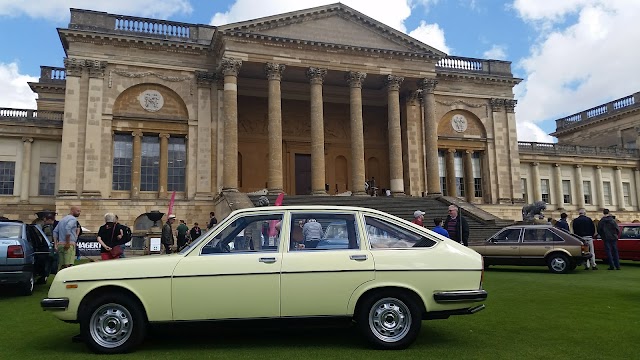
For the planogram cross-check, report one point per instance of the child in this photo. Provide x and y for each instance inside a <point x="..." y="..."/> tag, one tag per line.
<point x="439" y="229"/>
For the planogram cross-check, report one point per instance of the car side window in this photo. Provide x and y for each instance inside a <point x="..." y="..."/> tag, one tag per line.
<point x="507" y="236"/>
<point x="37" y="239"/>
<point x="631" y="232"/>
<point x="322" y="231"/>
<point x="540" y="235"/>
<point x="251" y="233"/>
<point x="383" y="234"/>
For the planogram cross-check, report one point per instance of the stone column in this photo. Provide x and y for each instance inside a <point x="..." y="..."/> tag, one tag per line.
<point x="318" y="175"/>
<point x="636" y="173"/>
<point x="599" y="188"/>
<point x="617" y="176"/>
<point x="451" y="172"/>
<point x="230" y="69"/>
<point x="275" y="180"/>
<point x="557" y="185"/>
<point x="579" y="186"/>
<point x="428" y="87"/>
<point x="164" y="166"/>
<point x="93" y="178"/>
<point x="469" y="185"/>
<point x="514" y="152"/>
<point x="136" y="163"/>
<point x="395" y="138"/>
<point x="70" y="132"/>
<point x="203" y="136"/>
<point x="25" y="174"/>
<point x="355" y="79"/>
<point x="537" y="189"/>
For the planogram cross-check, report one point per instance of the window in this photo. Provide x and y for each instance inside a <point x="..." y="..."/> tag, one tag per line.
<point x="523" y="184"/>
<point x="177" y="164"/>
<point x="626" y="192"/>
<point x="477" y="174"/>
<point x="7" y="177"/>
<point x="322" y="231"/>
<point x="544" y="190"/>
<point x="47" y="182"/>
<point x="383" y="234"/>
<point x="251" y="233"/>
<point x="566" y="191"/>
<point x="459" y="173"/>
<point x="150" y="163"/>
<point x="442" y="169"/>
<point x="586" y="188"/>
<point x="606" y="192"/>
<point x="540" y="235"/>
<point x="122" y="155"/>
<point x="507" y="236"/>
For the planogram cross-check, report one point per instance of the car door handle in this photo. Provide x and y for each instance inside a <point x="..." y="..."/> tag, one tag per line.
<point x="358" y="257"/>
<point x="268" y="260"/>
<point x="514" y="247"/>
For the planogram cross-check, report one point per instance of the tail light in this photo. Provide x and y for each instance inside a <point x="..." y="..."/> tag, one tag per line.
<point x="15" y="252"/>
<point x="584" y="248"/>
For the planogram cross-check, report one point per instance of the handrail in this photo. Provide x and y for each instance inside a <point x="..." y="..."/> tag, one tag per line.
<point x="563" y="149"/>
<point x="31" y="114"/>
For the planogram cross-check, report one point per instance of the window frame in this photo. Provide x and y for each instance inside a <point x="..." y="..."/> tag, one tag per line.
<point x="47" y="185"/>
<point x="492" y="239"/>
<point x="7" y="187"/>
<point x="423" y="238"/>
<point x="546" y="197"/>
<point x="586" y="190"/>
<point x="296" y="215"/>
<point x="205" y="240"/>
<point x="566" y="191"/>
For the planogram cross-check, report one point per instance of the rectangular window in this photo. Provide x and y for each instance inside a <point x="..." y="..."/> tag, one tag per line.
<point x="459" y="172"/>
<point x="442" y="170"/>
<point x="544" y="190"/>
<point x="477" y="174"/>
<point x="525" y="195"/>
<point x="586" y="188"/>
<point x="122" y="156"/>
<point x="177" y="164"/>
<point x="47" y="182"/>
<point x="7" y="177"/>
<point x="606" y="190"/>
<point x="566" y="191"/>
<point x="626" y="192"/>
<point x="150" y="163"/>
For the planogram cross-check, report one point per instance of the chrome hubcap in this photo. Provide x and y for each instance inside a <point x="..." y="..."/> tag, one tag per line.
<point x="111" y="325"/>
<point x="390" y="319"/>
<point x="558" y="264"/>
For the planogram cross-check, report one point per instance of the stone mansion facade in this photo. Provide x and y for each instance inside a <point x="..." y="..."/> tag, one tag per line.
<point x="316" y="101"/>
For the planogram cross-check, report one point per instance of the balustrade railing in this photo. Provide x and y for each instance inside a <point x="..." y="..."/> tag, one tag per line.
<point x="563" y="149"/>
<point x="31" y="114"/>
<point x="152" y="27"/>
<point x="624" y="103"/>
<point x="52" y="74"/>
<point x="456" y="63"/>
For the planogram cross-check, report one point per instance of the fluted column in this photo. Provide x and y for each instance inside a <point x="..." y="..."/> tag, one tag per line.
<point x="636" y="173"/>
<point x="469" y="186"/>
<point x="93" y="152"/>
<point x="230" y="69"/>
<point x="355" y="79"/>
<point x="451" y="172"/>
<point x="136" y="163"/>
<point x="431" y="135"/>
<point x="599" y="188"/>
<point x="557" y="186"/>
<point x="617" y="176"/>
<point x="318" y="175"/>
<point x="537" y="188"/>
<point x="274" y="179"/>
<point x="579" y="186"/>
<point x="395" y="138"/>
<point x="203" y="136"/>
<point x="25" y="174"/>
<point x="164" y="165"/>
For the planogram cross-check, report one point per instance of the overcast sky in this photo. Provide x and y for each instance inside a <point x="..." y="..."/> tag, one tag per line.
<point x="572" y="54"/>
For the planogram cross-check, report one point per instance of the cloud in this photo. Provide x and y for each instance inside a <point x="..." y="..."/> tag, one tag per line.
<point x="15" y="92"/>
<point x="432" y="35"/>
<point x="497" y="52"/>
<point x="58" y="10"/>
<point x="528" y="131"/>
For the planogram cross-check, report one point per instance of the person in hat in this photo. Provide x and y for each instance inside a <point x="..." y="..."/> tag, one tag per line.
<point x="167" y="234"/>
<point x="418" y="217"/>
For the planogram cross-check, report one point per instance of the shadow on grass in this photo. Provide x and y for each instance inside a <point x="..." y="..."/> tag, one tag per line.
<point x="525" y="269"/>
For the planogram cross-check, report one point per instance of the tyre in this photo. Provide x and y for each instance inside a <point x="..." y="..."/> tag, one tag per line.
<point x="559" y="263"/>
<point x="389" y="319"/>
<point x="113" y="323"/>
<point x="26" y="288"/>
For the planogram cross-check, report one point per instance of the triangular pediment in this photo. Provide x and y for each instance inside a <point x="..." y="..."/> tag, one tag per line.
<point x="333" y="24"/>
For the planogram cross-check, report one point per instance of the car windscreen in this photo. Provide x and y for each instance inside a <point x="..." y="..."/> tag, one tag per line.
<point x="10" y="230"/>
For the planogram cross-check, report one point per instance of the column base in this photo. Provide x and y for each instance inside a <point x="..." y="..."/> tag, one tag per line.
<point x="319" y="193"/>
<point x="274" y="191"/>
<point x="504" y="201"/>
<point x="224" y="189"/>
<point x="434" y="194"/>
<point x="359" y="193"/>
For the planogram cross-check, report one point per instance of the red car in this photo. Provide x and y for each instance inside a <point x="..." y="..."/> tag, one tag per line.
<point x="628" y="244"/>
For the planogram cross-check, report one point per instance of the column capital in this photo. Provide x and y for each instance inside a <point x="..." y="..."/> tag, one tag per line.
<point x="74" y="66"/>
<point x="414" y="97"/>
<point x="636" y="169"/>
<point x="164" y="136"/>
<point x="451" y="150"/>
<point x="135" y="133"/>
<point x="617" y="167"/>
<point x="510" y="105"/>
<point x="535" y="164"/>
<point x="577" y="166"/>
<point x="355" y="78"/>
<point x="316" y="75"/>
<point x="96" y="68"/>
<point x="468" y="151"/>
<point x="427" y="85"/>
<point x="557" y="165"/>
<point x="274" y="71"/>
<point x="230" y="66"/>
<point x="205" y="78"/>
<point x="496" y="104"/>
<point x="598" y="167"/>
<point x="393" y="82"/>
<point x="27" y="139"/>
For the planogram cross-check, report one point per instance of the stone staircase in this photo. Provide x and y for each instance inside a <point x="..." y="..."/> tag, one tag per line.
<point x="481" y="224"/>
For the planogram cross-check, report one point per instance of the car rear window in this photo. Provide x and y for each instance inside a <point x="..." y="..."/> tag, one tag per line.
<point x="10" y="231"/>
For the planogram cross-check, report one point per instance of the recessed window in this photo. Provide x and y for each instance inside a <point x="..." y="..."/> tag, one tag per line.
<point x="606" y="190"/>
<point x="459" y="172"/>
<point x="47" y="179"/>
<point x="544" y="190"/>
<point x="626" y="191"/>
<point x="566" y="191"/>
<point x="442" y="170"/>
<point x="586" y="188"/>
<point x="477" y="174"/>
<point x="150" y="163"/>
<point x="7" y="177"/>
<point x="177" y="169"/>
<point x="122" y="155"/>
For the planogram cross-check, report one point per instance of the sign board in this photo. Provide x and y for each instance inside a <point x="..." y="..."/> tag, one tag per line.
<point x="154" y="245"/>
<point x="88" y="246"/>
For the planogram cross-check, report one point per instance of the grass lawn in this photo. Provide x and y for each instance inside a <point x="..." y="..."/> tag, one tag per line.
<point x="531" y="314"/>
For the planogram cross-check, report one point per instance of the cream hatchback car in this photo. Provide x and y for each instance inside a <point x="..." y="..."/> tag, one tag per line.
<point x="269" y="267"/>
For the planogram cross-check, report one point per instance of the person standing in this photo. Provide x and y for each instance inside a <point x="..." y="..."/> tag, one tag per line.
<point x="182" y="230"/>
<point x="418" y="218"/>
<point x="562" y="223"/>
<point x="583" y="227"/>
<point x="167" y="234"/>
<point x="212" y="220"/>
<point x="438" y="228"/>
<point x="195" y="232"/>
<point x="65" y="235"/>
<point x="109" y="236"/>
<point x="457" y="226"/>
<point x="609" y="232"/>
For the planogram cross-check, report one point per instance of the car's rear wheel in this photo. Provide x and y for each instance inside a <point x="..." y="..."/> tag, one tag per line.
<point x="112" y="324"/>
<point x="389" y="320"/>
<point x="26" y="288"/>
<point x="559" y="263"/>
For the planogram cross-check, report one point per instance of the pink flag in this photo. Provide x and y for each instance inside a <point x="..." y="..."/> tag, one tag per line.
<point x="173" y="199"/>
<point x="272" y="224"/>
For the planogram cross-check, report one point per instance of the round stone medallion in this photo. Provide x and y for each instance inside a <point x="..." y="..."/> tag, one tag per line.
<point x="459" y="123"/>
<point x="151" y="100"/>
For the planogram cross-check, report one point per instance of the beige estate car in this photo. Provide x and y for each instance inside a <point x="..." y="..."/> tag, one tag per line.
<point x="258" y="264"/>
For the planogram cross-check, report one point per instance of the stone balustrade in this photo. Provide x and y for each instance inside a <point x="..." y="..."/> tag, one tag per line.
<point x="558" y="149"/>
<point x="461" y="64"/>
<point x="600" y="111"/>
<point x="30" y="114"/>
<point x="52" y="74"/>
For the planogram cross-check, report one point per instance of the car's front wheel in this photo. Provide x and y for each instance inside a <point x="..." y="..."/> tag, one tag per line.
<point x="112" y="324"/>
<point x="559" y="263"/>
<point x="389" y="320"/>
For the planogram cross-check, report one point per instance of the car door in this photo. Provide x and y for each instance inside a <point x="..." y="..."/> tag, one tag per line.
<point x="319" y="275"/>
<point x="228" y="276"/>
<point x="536" y="243"/>
<point x="503" y="248"/>
<point x="42" y="250"/>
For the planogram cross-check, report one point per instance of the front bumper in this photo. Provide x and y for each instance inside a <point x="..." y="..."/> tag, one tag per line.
<point x="49" y="304"/>
<point x="460" y="296"/>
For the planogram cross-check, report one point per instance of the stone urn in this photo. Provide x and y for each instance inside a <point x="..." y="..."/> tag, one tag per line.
<point x="155" y="231"/>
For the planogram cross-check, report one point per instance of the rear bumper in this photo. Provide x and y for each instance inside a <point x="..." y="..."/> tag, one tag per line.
<point x="460" y="296"/>
<point x="54" y="304"/>
<point x="13" y="274"/>
<point x="434" y="315"/>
